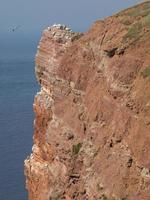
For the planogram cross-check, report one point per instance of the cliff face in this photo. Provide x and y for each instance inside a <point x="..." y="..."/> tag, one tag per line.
<point x="92" y="114"/>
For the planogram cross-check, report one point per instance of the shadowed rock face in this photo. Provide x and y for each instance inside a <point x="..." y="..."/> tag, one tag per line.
<point x="92" y="114"/>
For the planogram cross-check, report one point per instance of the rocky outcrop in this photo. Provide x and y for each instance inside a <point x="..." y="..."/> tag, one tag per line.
<point x="92" y="114"/>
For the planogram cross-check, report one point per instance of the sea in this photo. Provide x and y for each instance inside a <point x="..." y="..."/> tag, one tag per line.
<point x="17" y="89"/>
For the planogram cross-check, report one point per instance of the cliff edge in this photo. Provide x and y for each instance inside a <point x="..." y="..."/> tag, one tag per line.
<point x="92" y="114"/>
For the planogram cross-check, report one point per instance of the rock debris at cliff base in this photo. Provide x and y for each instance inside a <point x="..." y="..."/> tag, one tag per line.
<point x="92" y="114"/>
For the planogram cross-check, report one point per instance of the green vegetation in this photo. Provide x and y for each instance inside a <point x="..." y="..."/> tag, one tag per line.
<point x="135" y="29"/>
<point x="140" y="15"/>
<point x="146" y="21"/>
<point x="140" y="10"/>
<point x="76" y="148"/>
<point x="146" y="72"/>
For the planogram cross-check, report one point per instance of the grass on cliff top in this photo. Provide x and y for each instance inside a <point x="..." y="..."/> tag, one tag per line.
<point x="134" y="30"/>
<point x="139" y="10"/>
<point x="136" y="19"/>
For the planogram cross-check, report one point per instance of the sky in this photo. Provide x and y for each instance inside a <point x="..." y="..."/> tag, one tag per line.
<point x="34" y="15"/>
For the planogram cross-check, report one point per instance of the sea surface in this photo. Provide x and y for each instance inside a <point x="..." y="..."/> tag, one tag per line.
<point x="17" y="89"/>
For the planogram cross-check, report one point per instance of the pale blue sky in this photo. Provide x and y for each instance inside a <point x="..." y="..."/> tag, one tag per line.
<point x="34" y="15"/>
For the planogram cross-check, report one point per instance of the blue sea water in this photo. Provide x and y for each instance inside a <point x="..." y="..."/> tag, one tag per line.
<point x="17" y="89"/>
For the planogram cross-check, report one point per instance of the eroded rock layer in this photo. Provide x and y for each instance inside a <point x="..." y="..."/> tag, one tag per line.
<point x="92" y="114"/>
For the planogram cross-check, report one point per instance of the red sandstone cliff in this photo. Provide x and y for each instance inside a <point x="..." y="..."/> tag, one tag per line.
<point x="92" y="114"/>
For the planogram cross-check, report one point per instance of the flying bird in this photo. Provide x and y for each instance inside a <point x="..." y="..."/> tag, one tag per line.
<point x="15" y="28"/>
